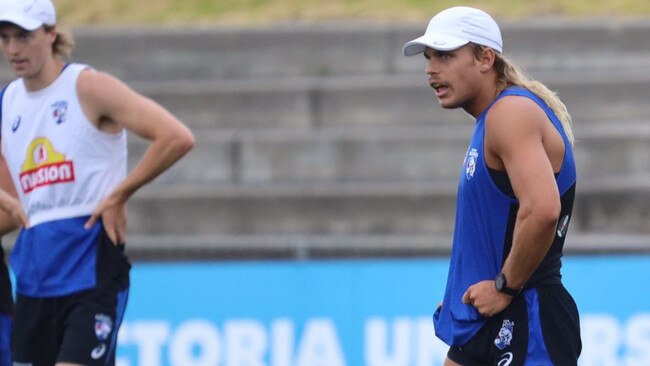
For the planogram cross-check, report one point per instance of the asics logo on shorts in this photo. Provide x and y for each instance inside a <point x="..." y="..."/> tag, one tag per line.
<point x="98" y="351"/>
<point x="506" y="359"/>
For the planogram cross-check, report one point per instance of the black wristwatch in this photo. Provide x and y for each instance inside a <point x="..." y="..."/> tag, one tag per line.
<point x="501" y="285"/>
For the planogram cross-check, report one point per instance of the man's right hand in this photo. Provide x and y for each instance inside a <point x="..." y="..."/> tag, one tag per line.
<point x="14" y="215"/>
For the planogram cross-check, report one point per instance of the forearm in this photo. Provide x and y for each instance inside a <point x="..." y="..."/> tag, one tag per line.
<point x="159" y="156"/>
<point x="532" y="239"/>
<point x="7" y="224"/>
<point x="8" y="204"/>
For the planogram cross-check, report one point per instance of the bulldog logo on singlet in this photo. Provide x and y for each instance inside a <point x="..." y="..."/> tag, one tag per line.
<point x="44" y="166"/>
<point x="470" y="163"/>
<point x="59" y="111"/>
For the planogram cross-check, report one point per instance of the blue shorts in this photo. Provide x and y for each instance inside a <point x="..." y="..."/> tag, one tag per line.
<point x="540" y="327"/>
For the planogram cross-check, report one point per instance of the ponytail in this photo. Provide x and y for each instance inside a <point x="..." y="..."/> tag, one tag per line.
<point x="509" y="74"/>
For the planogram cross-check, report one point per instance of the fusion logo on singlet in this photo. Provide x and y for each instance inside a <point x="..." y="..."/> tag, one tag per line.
<point x="44" y="166"/>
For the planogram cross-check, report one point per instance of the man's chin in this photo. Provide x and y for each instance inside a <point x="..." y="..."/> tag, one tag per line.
<point x="447" y="105"/>
<point x="20" y="72"/>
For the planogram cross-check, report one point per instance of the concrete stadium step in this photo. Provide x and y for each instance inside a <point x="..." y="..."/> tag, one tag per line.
<point x="299" y="246"/>
<point x="301" y="102"/>
<point x="313" y="246"/>
<point x="179" y="247"/>
<point x="620" y="205"/>
<point x="344" y="208"/>
<point x="320" y="155"/>
<point x="343" y="48"/>
<point x="402" y="100"/>
<point x="305" y="156"/>
<point x="615" y="205"/>
<point x="608" y="151"/>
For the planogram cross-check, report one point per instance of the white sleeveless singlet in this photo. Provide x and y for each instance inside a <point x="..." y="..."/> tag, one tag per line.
<point x="62" y="165"/>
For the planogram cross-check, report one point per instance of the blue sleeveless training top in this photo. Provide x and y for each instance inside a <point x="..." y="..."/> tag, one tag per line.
<point x="485" y="217"/>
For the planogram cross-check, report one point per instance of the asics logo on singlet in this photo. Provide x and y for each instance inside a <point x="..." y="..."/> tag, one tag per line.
<point x="15" y="125"/>
<point x="506" y="359"/>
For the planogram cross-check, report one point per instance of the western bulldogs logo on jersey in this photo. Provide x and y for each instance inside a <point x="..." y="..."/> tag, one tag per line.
<point x="504" y="337"/>
<point x="59" y="111"/>
<point x="103" y="326"/>
<point x="470" y="163"/>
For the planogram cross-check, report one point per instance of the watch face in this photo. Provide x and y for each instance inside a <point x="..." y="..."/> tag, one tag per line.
<point x="499" y="282"/>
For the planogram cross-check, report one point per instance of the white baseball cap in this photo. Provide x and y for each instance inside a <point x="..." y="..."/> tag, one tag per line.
<point x="455" y="27"/>
<point x="28" y="14"/>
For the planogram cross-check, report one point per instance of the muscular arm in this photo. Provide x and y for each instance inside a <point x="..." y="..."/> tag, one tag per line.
<point x="520" y="146"/>
<point x="516" y="129"/>
<point x="112" y="105"/>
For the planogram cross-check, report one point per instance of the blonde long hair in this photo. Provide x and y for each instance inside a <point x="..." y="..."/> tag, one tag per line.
<point x="63" y="44"/>
<point x="508" y="74"/>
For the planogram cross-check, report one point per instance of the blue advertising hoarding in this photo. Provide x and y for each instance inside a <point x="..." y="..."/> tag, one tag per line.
<point x="349" y="313"/>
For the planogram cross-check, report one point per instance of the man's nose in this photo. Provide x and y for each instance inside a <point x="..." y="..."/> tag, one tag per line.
<point x="432" y="67"/>
<point x="10" y="45"/>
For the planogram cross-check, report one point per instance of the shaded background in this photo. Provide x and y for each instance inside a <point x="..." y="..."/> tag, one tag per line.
<point x="316" y="138"/>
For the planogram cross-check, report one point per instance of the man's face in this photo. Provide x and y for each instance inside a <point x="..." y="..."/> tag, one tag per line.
<point x="26" y="51"/>
<point x="454" y="75"/>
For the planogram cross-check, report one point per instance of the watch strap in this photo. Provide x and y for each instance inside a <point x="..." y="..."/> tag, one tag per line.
<point x="501" y="284"/>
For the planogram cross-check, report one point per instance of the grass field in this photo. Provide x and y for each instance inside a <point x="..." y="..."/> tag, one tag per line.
<point x="243" y="12"/>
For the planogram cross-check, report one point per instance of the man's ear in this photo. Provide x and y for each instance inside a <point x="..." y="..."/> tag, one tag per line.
<point x="51" y="32"/>
<point x="486" y="58"/>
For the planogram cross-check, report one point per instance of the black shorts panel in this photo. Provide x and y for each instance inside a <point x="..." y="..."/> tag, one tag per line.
<point x="79" y="328"/>
<point x="32" y="341"/>
<point x="505" y="335"/>
<point x="6" y="298"/>
<point x="560" y="325"/>
<point x="504" y="339"/>
<point x="112" y="267"/>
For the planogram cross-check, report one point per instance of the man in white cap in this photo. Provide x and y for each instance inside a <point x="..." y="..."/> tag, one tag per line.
<point x="63" y="135"/>
<point x="504" y="302"/>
